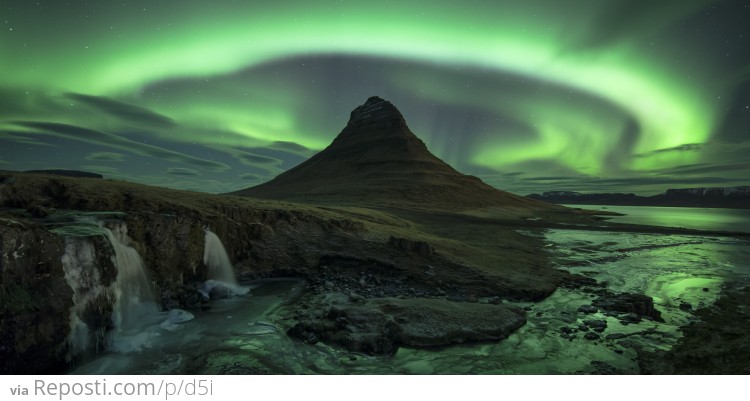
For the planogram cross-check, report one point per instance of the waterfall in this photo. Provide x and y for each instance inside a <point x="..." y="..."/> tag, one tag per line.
<point x="221" y="281"/>
<point x="82" y="275"/>
<point x="134" y="299"/>
<point x="217" y="260"/>
<point x="128" y="296"/>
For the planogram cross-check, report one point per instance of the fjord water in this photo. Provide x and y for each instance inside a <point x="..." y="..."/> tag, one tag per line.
<point x="714" y="219"/>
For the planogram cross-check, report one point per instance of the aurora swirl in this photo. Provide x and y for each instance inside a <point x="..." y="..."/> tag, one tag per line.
<point x="530" y="96"/>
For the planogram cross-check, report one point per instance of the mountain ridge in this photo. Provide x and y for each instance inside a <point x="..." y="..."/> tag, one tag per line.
<point x="712" y="197"/>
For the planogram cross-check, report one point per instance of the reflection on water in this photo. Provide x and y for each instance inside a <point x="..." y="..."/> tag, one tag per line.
<point x="687" y="217"/>
<point x="244" y="335"/>
<point x="672" y="269"/>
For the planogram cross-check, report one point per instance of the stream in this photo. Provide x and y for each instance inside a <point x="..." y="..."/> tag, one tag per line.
<point x="243" y="335"/>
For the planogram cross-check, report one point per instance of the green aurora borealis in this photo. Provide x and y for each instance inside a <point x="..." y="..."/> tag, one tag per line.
<point x="531" y="96"/>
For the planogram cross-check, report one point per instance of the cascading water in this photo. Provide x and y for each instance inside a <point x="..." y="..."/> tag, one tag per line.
<point x="220" y="269"/>
<point x="129" y="296"/>
<point x="82" y="275"/>
<point x="133" y="296"/>
<point x="217" y="260"/>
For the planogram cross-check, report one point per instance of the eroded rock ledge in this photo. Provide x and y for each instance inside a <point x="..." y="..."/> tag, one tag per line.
<point x="381" y="325"/>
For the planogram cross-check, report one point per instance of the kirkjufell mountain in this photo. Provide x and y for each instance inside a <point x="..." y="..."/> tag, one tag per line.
<point x="377" y="161"/>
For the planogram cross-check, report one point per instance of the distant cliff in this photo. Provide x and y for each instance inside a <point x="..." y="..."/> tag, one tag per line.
<point x="729" y="197"/>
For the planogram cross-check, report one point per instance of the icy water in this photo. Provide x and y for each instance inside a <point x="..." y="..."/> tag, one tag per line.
<point x="671" y="269"/>
<point x="244" y="335"/>
<point x="687" y="217"/>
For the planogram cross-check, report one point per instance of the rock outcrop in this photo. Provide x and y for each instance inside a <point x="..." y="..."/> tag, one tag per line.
<point x="34" y="299"/>
<point x="638" y="304"/>
<point x="714" y="344"/>
<point x="381" y="325"/>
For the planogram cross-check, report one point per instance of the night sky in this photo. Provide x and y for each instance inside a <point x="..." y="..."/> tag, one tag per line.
<point x="531" y="96"/>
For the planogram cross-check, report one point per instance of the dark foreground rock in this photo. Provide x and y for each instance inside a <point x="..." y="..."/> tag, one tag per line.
<point x="381" y="325"/>
<point x="638" y="304"/>
<point x="34" y="299"/>
<point x="717" y="344"/>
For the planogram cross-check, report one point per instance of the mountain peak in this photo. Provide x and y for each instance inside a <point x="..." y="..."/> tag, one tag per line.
<point x="376" y="113"/>
<point x="377" y="161"/>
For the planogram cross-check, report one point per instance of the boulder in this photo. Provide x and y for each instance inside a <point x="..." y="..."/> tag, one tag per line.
<point x="588" y="309"/>
<point x="639" y="304"/>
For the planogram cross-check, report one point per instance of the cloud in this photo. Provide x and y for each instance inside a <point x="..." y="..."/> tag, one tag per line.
<point x="252" y="159"/>
<point x="292" y="147"/>
<point x="106" y="157"/>
<point x="104" y="170"/>
<point x="251" y="177"/>
<point x="688" y="147"/>
<point x="636" y="181"/>
<point x="118" y="142"/>
<point x="125" y="111"/>
<point x="701" y="168"/>
<point x="182" y="171"/>
<point x="561" y="178"/>
<point x="260" y="162"/>
<point x="22" y="137"/>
